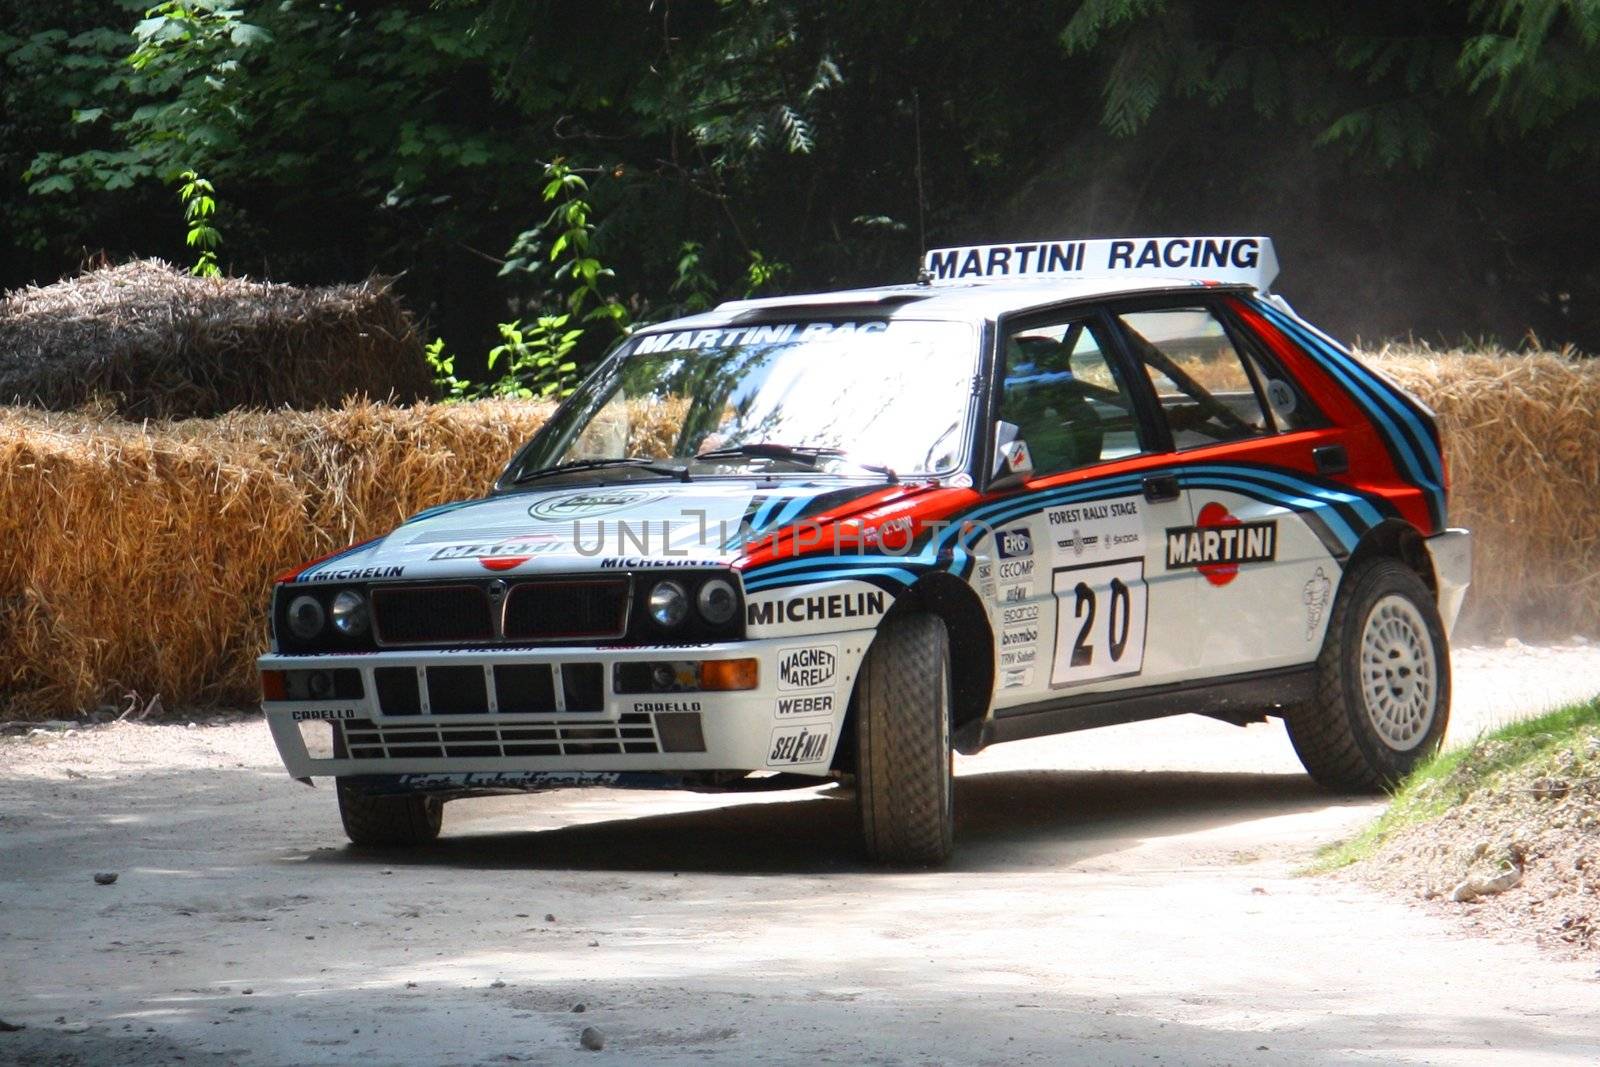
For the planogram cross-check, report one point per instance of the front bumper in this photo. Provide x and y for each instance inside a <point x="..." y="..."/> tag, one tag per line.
<point x="1451" y="553"/>
<point x="789" y="722"/>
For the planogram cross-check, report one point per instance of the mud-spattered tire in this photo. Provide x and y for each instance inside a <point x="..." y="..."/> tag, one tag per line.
<point x="903" y="786"/>
<point x="388" y="821"/>
<point x="1383" y="683"/>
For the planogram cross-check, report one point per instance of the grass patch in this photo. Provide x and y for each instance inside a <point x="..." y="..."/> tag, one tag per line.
<point x="1559" y="744"/>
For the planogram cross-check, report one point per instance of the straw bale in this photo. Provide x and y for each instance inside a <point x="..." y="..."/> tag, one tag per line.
<point x="158" y="343"/>
<point x="138" y="555"/>
<point x="1522" y="440"/>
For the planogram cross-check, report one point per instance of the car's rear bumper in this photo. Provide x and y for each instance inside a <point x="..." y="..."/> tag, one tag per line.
<point x="1451" y="553"/>
<point x="785" y="723"/>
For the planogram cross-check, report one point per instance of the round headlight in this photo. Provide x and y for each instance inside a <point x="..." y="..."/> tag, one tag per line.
<point x="350" y="613"/>
<point x="668" y="603"/>
<point x="305" y="617"/>
<point x="717" y="601"/>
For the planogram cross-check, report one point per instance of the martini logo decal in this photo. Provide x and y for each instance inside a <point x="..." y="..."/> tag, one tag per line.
<point x="591" y="504"/>
<point x="1218" y="544"/>
<point x="504" y="555"/>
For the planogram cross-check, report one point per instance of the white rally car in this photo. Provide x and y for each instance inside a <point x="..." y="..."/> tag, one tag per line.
<point x="1047" y="486"/>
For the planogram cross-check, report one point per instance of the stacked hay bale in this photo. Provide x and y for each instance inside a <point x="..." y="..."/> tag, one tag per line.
<point x="1522" y="436"/>
<point x="138" y="556"/>
<point x="155" y="342"/>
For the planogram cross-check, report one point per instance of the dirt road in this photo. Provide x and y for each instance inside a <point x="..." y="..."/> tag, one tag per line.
<point x="1125" y="896"/>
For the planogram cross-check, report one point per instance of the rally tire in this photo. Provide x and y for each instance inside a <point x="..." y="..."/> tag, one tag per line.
<point x="388" y="821"/>
<point x="903" y="757"/>
<point x="1383" y="683"/>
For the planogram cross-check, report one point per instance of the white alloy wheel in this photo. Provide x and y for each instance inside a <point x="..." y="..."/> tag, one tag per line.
<point x="1399" y="673"/>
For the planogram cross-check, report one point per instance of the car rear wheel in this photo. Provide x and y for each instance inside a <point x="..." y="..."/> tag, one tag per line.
<point x="1383" y="683"/>
<point x="388" y="820"/>
<point x="903" y="773"/>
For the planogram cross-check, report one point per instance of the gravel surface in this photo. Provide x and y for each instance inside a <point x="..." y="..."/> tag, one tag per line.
<point x="1118" y="896"/>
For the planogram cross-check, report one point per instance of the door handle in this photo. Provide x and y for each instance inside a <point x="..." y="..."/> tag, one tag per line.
<point x="1161" y="487"/>
<point x="1331" y="459"/>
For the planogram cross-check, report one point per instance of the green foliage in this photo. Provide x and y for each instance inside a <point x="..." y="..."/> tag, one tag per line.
<point x="537" y="359"/>
<point x="781" y="139"/>
<point x="1389" y="82"/>
<point x="443" y="365"/>
<point x="694" y="286"/>
<point x="762" y="274"/>
<point x="199" y="207"/>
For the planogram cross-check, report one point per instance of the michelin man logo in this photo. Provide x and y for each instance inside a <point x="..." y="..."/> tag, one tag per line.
<point x="1315" y="598"/>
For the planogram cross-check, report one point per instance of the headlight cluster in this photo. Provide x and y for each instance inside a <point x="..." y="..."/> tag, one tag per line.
<point x="715" y="603"/>
<point x="348" y="614"/>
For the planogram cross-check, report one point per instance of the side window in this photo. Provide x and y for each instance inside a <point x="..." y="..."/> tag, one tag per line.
<point x="1067" y="398"/>
<point x="1207" y="390"/>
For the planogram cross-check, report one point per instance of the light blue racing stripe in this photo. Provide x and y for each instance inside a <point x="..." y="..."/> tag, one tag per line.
<point x="792" y="510"/>
<point x="1320" y="508"/>
<point x="1414" y="443"/>
<point x="331" y="560"/>
<point x="904" y="577"/>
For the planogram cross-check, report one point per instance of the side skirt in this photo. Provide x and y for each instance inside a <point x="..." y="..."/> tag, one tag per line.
<point x="1238" y="699"/>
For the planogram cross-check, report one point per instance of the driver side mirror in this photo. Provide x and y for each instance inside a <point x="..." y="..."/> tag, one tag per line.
<point x="1013" y="462"/>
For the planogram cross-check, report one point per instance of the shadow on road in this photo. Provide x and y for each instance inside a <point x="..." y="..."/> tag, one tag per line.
<point x="1005" y="820"/>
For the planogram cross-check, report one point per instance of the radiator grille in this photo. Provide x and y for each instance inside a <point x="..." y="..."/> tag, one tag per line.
<point x="431" y="614"/>
<point x="488" y="613"/>
<point x="633" y="734"/>
<point x="464" y="689"/>
<point x="545" y="611"/>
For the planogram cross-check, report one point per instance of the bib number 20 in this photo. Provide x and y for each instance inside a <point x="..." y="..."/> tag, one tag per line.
<point x="1100" y="615"/>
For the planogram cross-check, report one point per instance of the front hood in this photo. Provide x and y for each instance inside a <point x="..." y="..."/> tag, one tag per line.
<point x="592" y="528"/>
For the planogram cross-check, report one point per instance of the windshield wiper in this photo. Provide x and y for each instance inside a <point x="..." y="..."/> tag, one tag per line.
<point x="639" y="462"/>
<point x="771" y="450"/>
<point x="810" y="454"/>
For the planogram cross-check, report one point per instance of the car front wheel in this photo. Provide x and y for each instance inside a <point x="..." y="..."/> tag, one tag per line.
<point x="903" y="773"/>
<point x="1383" y="683"/>
<point x="388" y="821"/>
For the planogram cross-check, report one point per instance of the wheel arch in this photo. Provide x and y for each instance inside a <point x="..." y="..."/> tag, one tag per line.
<point x="1398" y="540"/>
<point x="971" y="647"/>
<point x="955" y="603"/>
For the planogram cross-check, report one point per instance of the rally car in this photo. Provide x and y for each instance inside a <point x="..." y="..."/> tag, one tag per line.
<point x="1046" y="486"/>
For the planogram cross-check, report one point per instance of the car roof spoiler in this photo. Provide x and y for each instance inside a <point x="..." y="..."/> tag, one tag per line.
<point x="1198" y="260"/>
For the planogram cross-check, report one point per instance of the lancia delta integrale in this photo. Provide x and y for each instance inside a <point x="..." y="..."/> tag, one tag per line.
<point x="1045" y="487"/>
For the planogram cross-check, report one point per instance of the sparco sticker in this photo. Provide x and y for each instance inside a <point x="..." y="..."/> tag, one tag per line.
<point x="810" y="667"/>
<point x="798" y="744"/>
<point x="591" y="504"/>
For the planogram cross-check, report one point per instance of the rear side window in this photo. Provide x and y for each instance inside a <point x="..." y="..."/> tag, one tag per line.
<point x="1208" y="392"/>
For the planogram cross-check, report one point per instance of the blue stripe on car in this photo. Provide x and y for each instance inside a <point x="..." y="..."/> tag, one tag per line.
<point x="1397" y="419"/>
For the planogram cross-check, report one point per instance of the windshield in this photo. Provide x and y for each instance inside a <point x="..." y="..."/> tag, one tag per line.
<point x="846" y="397"/>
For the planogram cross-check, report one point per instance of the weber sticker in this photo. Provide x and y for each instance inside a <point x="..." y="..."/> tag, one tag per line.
<point x="808" y="667"/>
<point x="796" y="707"/>
<point x="793" y="745"/>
